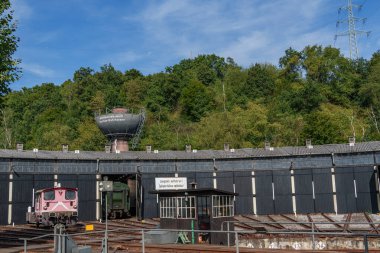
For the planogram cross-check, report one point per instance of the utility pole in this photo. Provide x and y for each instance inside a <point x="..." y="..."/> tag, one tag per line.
<point x="352" y="32"/>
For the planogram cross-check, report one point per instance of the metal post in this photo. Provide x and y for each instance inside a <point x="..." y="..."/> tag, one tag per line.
<point x="143" y="241"/>
<point x="228" y="234"/>
<point x="365" y="243"/>
<point x="192" y="232"/>
<point x="237" y="242"/>
<point x="106" y="232"/>
<point x="25" y="247"/>
<point x="312" y="235"/>
<point x="59" y="244"/>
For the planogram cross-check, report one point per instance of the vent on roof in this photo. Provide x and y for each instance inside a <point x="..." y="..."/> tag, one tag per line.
<point x="232" y="150"/>
<point x="155" y="151"/>
<point x="117" y="151"/>
<point x="35" y="150"/>
<point x="148" y="148"/>
<point x="351" y="141"/>
<point x="188" y="148"/>
<point x="267" y="146"/>
<point x="20" y="146"/>
<point x="107" y="148"/>
<point x="65" y="148"/>
<point x="308" y="143"/>
<point x="195" y="151"/>
<point x="226" y="147"/>
<point x="76" y="151"/>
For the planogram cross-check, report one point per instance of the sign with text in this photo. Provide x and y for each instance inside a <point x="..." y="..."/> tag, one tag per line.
<point x="171" y="183"/>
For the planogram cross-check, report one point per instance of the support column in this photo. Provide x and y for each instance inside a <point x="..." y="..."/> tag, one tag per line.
<point x="334" y="190"/>
<point x="294" y="203"/>
<point x="377" y="168"/>
<point x="98" y="204"/>
<point x="215" y="185"/>
<point x="10" y="198"/>
<point x="254" y="193"/>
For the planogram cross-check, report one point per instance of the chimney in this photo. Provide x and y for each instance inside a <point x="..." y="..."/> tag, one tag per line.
<point x="267" y="146"/>
<point x="308" y="144"/>
<point x="351" y="141"/>
<point x="148" y="148"/>
<point x="188" y="148"/>
<point x="107" y="148"/>
<point x="65" y="148"/>
<point x="226" y="147"/>
<point x="20" y="146"/>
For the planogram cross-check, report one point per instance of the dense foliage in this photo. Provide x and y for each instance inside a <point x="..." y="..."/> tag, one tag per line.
<point x="9" y="72"/>
<point x="313" y="94"/>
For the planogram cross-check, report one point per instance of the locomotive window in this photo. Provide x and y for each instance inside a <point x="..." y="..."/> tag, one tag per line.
<point x="49" y="195"/>
<point x="70" y="195"/>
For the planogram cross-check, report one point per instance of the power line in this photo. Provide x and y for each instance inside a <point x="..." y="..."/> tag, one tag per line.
<point x="352" y="32"/>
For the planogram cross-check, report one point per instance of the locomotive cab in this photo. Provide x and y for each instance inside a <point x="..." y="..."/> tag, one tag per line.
<point x="55" y="205"/>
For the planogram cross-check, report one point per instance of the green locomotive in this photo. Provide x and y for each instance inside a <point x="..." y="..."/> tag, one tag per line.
<point x="119" y="205"/>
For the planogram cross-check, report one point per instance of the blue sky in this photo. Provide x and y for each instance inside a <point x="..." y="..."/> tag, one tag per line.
<point x="58" y="37"/>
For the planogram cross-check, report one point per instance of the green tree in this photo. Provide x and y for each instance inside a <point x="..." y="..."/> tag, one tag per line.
<point x="9" y="70"/>
<point x="291" y="65"/>
<point x="369" y="94"/>
<point x="260" y="81"/>
<point x="89" y="136"/>
<point x="334" y="124"/>
<point x="239" y="127"/>
<point x="196" y="100"/>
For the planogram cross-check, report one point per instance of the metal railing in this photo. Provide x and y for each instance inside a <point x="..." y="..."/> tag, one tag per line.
<point x="313" y="233"/>
<point x="313" y="229"/>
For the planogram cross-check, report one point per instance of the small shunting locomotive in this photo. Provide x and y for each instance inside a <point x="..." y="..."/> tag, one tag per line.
<point x="118" y="201"/>
<point x="58" y="205"/>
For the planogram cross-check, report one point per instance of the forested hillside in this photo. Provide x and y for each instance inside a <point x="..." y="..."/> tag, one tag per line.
<point x="312" y="94"/>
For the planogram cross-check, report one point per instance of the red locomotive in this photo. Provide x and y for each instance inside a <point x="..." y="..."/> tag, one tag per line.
<point x="53" y="206"/>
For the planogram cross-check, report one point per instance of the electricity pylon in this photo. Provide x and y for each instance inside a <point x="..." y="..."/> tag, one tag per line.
<point x="352" y="32"/>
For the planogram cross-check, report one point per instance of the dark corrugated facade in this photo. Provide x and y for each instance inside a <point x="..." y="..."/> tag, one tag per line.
<point x="327" y="178"/>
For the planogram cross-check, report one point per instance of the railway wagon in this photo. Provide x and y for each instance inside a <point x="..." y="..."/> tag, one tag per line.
<point x="53" y="206"/>
<point x="118" y="201"/>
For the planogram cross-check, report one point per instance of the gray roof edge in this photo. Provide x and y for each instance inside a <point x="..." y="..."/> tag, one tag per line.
<point x="244" y="153"/>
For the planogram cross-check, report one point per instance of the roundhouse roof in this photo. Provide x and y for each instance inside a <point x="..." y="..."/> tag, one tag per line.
<point x="362" y="147"/>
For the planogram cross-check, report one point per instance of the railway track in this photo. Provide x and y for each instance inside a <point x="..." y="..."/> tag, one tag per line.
<point x="10" y="235"/>
<point x="125" y="235"/>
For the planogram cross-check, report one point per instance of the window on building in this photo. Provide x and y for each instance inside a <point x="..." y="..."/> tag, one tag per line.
<point x="177" y="207"/>
<point x="222" y="206"/>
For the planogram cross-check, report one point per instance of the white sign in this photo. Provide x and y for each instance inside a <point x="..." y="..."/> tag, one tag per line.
<point x="171" y="183"/>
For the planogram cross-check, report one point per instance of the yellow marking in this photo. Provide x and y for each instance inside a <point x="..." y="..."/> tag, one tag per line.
<point x="89" y="227"/>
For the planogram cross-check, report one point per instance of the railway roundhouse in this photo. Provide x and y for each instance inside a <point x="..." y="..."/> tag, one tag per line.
<point x="336" y="178"/>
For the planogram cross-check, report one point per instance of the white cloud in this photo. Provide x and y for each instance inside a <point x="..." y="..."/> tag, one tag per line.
<point x="124" y="57"/>
<point x="244" y="48"/>
<point x="22" y="9"/>
<point x="38" y="70"/>
<point x="245" y="30"/>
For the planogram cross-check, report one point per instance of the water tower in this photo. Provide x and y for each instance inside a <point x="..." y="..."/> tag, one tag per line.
<point x="121" y="127"/>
